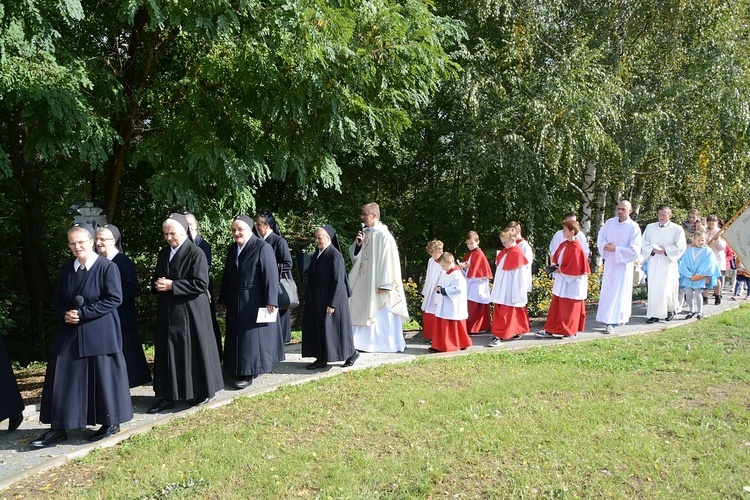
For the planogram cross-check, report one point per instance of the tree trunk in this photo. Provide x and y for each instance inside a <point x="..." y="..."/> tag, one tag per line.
<point x="27" y="177"/>
<point x="588" y="192"/>
<point x="134" y="80"/>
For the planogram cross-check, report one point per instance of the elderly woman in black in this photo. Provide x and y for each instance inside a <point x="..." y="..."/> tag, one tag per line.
<point x="186" y="359"/>
<point x="268" y="230"/>
<point x="86" y="381"/>
<point x="250" y="283"/>
<point x="12" y="406"/>
<point x="109" y="246"/>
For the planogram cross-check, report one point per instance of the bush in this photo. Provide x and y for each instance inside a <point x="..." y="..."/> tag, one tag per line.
<point x="541" y="291"/>
<point x="413" y="300"/>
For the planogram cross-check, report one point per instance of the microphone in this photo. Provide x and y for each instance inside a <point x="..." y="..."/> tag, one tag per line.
<point x="79" y="301"/>
<point x="361" y="230"/>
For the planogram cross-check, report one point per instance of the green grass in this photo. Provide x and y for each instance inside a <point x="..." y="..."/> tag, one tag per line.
<point x="662" y="415"/>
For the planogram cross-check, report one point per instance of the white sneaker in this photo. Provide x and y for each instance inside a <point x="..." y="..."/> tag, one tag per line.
<point x="609" y="329"/>
<point x="542" y="334"/>
<point x="495" y="342"/>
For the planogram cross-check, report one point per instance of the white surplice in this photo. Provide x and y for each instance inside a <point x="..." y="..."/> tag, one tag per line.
<point x="529" y="254"/>
<point x="616" y="296"/>
<point x="429" y="300"/>
<point x="663" y="273"/>
<point x="558" y="238"/>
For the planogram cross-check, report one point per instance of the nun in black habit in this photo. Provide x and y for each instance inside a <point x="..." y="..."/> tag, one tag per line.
<point x="86" y="382"/>
<point x="268" y="230"/>
<point x="250" y="282"/>
<point x="206" y="247"/>
<point x="12" y="403"/>
<point x="326" y="324"/>
<point x="108" y="242"/>
<point x="186" y="360"/>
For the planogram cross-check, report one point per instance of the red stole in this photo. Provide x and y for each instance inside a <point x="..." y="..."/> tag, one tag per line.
<point x="515" y="258"/>
<point x="574" y="262"/>
<point x="478" y="265"/>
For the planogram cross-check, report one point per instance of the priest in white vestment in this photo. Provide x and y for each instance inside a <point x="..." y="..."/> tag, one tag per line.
<point x="663" y="244"/>
<point x="378" y="304"/>
<point x="619" y="243"/>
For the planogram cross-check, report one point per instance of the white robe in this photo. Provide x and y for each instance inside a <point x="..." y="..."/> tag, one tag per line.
<point x="558" y="238"/>
<point x="529" y="254"/>
<point x="663" y="274"/>
<point x="429" y="301"/>
<point x="453" y="305"/>
<point x="616" y="296"/>
<point x="570" y="287"/>
<point x="510" y="288"/>
<point x="377" y="318"/>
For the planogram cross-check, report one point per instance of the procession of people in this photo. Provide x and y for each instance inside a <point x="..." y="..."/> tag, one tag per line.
<point x="97" y="354"/>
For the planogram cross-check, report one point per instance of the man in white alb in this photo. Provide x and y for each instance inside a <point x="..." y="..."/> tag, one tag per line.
<point x="558" y="238"/>
<point x="663" y="244"/>
<point x="378" y="303"/>
<point x="619" y="243"/>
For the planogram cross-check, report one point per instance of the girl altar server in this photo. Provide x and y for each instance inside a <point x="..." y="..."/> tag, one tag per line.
<point x="567" y="312"/>
<point x="450" y="323"/>
<point x="510" y="318"/>
<point x="699" y="270"/>
<point x="478" y="274"/>
<point x="429" y="300"/>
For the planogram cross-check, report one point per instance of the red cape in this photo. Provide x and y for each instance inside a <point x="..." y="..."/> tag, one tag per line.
<point x="479" y="266"/>
<point x="575" y="262"/>
<point x="515" y="258"/>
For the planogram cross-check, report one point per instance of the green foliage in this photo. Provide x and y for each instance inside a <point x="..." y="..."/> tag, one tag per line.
<point x="413" y="300"/>
<point x="540" y="297"/>
<point x="540" y="422"/>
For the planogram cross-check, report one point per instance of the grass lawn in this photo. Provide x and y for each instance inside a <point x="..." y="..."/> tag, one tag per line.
<point x="662" y="415"/>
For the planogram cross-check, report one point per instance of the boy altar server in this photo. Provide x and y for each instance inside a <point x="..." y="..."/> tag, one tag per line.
<point x="450" y="324"/>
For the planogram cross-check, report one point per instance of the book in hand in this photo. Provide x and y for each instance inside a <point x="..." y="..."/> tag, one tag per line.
<point x="266" y="317"/>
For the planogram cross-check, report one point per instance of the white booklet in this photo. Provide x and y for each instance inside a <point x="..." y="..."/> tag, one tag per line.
<point x="266" y="317"/>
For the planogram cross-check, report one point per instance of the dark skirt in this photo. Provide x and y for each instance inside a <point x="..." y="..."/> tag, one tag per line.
<point x="285" y="324"/>
<point x="135" y="360"/>
<point x="11" y="403"/>
<point x="81" y="391"/>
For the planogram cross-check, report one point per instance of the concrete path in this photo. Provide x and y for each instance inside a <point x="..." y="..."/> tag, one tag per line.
<point x="18" y="460"/>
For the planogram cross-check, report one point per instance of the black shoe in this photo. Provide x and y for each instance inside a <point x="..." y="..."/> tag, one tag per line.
<point x="705" y="301"/>
<point x="670" y="316"/>
<point x="317" y="365"/>
<point x="689" y="315"/>
<point x="104" y="432"/>
<point x="352" y="359"/>
<point x="49" y="437"/>
<point x="515" y="337"/>
<point x="717" y="300"/>
<point x="163" y="404"/>
<point x="199" y="401"/>
<point x="652" y="320"/>
<point x="14" y="422"/>
<point x="432" y="350"/>
<point x="243" y="382"/>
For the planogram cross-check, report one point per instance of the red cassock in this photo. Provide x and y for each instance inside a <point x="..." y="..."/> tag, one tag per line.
<point x="450" y="332"/>
<point x="567" y="316"/>
<point x="428" y="325"/>
<point x="508" y="321"/>
<point x="479" y="314"/>
<point x="450" y="335"/>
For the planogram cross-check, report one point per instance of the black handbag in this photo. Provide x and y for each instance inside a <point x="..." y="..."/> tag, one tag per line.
<point x="288" y="296"/>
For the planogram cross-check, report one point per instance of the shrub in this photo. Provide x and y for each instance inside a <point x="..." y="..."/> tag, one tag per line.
<point x="413" y="300"/>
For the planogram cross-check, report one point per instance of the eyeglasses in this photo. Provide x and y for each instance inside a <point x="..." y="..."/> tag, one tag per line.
<point x="73" y="244"/>
<point x="105" y="239"/>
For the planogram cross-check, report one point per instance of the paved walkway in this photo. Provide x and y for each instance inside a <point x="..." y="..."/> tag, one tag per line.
<point x="18" y="460"/>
